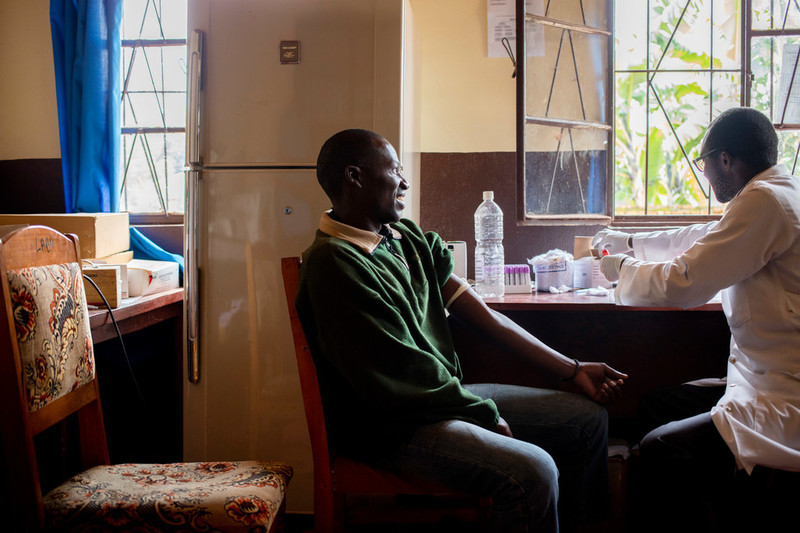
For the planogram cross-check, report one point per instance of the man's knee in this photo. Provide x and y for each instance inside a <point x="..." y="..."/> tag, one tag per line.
<point x="594" y="423"/>
<point x="533" y="484"/>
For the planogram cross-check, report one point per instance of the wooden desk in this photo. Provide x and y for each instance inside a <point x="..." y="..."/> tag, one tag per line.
<point x="656" y="347"/>
<point x="576" y="301"/>
<point x="136" y="315"/>
<point x="143" y="416"/>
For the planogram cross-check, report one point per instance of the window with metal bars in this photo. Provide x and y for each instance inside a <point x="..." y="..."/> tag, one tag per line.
<point x="676" y="65"/>
<point x="153" y="112"/>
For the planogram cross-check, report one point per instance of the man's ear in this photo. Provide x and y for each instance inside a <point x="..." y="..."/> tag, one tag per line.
<point x="352" y="175"/>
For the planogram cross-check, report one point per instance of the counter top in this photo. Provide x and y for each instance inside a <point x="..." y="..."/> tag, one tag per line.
<point x="136" y="313"/>
<point x="576" y="301"/>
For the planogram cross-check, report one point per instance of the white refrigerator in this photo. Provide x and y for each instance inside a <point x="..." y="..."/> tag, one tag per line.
<point x="254" y="128"/>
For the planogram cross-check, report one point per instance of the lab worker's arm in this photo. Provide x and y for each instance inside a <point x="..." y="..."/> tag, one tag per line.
<point x="753" y="230"/>
<point x="667" y="244"/>
<point x="596" y="380"/>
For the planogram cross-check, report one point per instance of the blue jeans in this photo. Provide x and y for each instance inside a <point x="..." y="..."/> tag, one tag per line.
<point x="554" y="469"/>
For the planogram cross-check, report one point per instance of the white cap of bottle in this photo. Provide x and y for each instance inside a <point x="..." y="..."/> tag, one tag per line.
<point x="488" y="195"/>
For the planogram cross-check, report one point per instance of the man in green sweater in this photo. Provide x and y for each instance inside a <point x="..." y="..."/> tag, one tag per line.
<point x="373" y="299"/>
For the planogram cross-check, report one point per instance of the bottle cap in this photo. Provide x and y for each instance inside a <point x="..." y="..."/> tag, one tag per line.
<point x="488" y="195"/>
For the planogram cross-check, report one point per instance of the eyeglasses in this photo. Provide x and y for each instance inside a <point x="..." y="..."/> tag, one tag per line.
<point x="700" y="161"/>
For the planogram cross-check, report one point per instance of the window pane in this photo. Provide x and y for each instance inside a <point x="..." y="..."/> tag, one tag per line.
<point x="154" y="96"/>
<point x="694" y="74"/>
<point x="145" y="110"/>
<point x="763" y="18"/>
<point x="679" y="112"/>
<point x="154" y="19"/>
<point x="680" y="35"/>
<point x="155" y="68"/>
<point x="725" y="34"/>
<point x="566" y="173"/>
<point x="555" y="89"/>
<point x="154" y="165"/>
<point x="769" y="91"/>
<point x="788" y="144"/>
<point x="630" y="34"/>
<point x="630" y="143"/>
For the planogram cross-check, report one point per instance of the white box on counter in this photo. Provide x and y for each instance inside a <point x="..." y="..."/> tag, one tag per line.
<point x="587" y="274"/>
<point x="147" y="277"/>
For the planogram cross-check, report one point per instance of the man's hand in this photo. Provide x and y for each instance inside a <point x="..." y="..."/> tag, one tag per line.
<point x="611" y="264"/>
<point x="616" y="242"/>
<point x="599" y="382"/>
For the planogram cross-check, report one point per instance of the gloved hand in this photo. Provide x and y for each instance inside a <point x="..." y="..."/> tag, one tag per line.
<point x="616" y="242"/>
<point x="611" y="264"/>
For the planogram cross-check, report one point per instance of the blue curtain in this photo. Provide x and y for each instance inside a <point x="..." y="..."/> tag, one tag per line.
<point x="86" y="51"/>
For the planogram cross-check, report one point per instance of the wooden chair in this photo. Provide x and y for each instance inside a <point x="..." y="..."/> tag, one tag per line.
<point x="335" y="477"/>
<point x="47" y="374"/>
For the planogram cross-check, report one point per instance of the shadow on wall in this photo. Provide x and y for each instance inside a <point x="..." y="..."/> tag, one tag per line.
<point x="31" y="186"/>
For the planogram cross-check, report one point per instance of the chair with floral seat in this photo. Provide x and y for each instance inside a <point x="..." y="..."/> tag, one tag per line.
<point x="48" y="380"/>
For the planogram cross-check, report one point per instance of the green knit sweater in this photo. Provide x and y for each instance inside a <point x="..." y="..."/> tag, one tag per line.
<point x="377" y="328"/>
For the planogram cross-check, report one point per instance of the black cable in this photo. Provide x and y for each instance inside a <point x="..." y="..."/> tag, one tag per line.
<point x="119" y="336"/>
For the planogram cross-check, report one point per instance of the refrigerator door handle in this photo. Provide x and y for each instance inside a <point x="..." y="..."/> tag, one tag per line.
<point x="191" y="281"/>
<point x="193" y="81"/>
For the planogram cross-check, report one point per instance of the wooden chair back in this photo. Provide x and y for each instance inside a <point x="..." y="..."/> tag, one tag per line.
<point x="336" y="476"/>
<point x="312" y="400"/>
<point x="29" y="250"/>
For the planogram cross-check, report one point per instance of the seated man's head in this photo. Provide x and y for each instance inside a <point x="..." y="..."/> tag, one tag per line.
<point x="739" y="143"/>
<point x="360" y="173"/>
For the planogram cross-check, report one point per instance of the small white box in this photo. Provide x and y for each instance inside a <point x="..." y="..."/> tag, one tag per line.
<point x="147" y="277"/>
<point x="587" y="274"/>
<point x="459" y="251"/>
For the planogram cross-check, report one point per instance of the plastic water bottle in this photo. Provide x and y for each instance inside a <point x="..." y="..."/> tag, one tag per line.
<point x="489" y="255"/>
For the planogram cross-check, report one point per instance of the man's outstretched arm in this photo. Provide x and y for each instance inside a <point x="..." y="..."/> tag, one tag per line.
<point x="596" y="380"/>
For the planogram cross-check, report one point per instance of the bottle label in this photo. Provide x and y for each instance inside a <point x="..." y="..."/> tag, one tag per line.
<point x="479" y="269"/>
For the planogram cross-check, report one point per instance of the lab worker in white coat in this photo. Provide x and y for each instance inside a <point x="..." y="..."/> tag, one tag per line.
<point x="752" y="257"/>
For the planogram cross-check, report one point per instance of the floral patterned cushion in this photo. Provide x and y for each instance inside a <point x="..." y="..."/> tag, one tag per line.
<point x="221" y="496"/>
<point x="52" y="323"/>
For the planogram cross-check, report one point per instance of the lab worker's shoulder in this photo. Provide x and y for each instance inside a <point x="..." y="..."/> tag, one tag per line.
<point x="776" y="195"/>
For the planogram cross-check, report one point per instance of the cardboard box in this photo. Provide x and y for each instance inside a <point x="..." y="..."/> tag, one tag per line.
<point x="148" y="277"/>
<point x="109" y="280"/>
<point x="119" y="258"/>
<point x="99" y="234"/>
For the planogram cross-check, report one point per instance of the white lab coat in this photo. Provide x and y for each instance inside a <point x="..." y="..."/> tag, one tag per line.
<point x="751" y="255"/>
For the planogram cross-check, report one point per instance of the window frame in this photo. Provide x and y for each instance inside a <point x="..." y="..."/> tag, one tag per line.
<point x="523" y="120"/>
<point x="645" y="222"/>
<point x="164" y="216"/>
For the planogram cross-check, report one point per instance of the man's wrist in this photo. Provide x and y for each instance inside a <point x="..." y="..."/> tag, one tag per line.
<point x="574" y="371"/>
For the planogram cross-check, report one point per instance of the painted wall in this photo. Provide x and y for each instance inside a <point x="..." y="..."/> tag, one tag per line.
<point x="468" y="99"/>
<point x="28" y="113"/>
